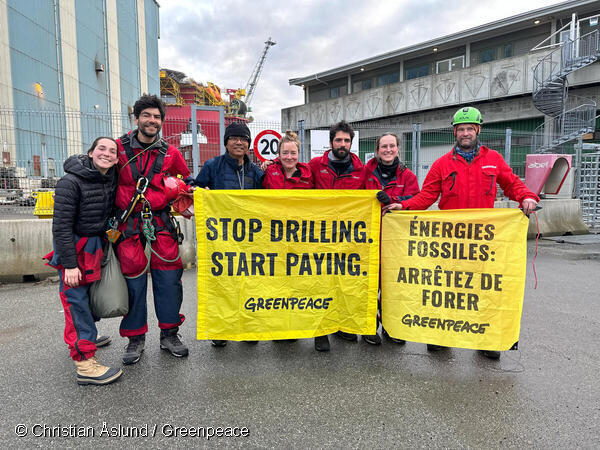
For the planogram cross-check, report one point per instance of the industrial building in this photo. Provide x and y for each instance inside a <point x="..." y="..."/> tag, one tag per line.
<point x="492" y="67"/>
<point x="70" y="70"/>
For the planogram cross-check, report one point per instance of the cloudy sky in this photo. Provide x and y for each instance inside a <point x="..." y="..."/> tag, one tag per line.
<point x="221" y="40"/>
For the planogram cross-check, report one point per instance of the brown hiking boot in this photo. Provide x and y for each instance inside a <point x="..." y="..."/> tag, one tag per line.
<point x="90" y="371"/>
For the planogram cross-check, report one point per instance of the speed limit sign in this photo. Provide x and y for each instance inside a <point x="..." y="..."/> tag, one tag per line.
<point x="265" y="145"/>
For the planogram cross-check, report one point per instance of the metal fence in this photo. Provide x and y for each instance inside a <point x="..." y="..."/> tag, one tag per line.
<point x="589" y="189"/>
<point x="36" y="143"/>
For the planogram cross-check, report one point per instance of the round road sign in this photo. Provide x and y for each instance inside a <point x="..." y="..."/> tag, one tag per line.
<point x="265" y="145"/>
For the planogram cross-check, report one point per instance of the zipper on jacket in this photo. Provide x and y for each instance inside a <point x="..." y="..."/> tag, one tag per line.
<point x="491" y="186"/>
<point x="240" y="178"/>
<point x="453" y="174"/>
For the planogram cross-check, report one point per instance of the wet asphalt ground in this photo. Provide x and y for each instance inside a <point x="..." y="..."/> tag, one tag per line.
<point x="545" y="395"/>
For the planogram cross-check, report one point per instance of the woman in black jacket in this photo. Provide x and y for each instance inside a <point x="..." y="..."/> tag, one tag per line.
<point x="83" y="201"/>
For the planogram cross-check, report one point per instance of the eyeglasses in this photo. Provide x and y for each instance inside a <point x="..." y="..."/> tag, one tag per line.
<point x="237" y="139"/>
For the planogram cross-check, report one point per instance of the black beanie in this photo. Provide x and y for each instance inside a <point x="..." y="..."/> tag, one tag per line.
<point x="237" y="129"/>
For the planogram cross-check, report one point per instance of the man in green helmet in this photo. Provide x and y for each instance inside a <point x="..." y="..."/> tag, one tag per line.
<point x="467" y="177"/>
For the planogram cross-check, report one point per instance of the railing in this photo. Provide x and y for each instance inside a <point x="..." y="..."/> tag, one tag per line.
<point x="567" y="117"/>
<point x="564" y="128"/>
<point x="590" y="189"/>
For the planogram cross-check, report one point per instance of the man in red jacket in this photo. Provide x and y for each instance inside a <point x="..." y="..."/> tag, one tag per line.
<point x="467" y="177"/>
<point x="338" y="168"/>
<point x="143" y="210"/>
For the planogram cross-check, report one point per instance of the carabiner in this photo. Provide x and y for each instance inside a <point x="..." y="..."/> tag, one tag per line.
<point x="146" y="212"/>
<point x="141" y="185"/>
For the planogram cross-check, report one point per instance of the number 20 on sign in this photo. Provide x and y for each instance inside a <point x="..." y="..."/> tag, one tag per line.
<point x="265" y="145"/>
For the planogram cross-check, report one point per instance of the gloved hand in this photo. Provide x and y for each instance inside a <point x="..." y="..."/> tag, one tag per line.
<point x="384" y="198"/>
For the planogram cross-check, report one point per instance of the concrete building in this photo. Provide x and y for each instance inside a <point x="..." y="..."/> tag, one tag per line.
<point x="489" y="66"/>
<point x="68" y="71"/>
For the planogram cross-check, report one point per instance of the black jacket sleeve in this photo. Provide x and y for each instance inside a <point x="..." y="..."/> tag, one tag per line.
<point x="67" y="197"/>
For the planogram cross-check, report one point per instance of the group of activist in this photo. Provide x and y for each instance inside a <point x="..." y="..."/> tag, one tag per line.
<point x="120" y="193"/>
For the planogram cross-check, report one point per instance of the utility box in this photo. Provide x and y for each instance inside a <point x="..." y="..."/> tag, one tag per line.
<point x="548" y="173"/>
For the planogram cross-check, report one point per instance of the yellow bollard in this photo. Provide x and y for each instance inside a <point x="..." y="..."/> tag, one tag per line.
<point x="44" y="204"/>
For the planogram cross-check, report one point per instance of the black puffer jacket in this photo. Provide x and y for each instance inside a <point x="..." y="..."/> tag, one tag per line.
<point x="83" y="201"/>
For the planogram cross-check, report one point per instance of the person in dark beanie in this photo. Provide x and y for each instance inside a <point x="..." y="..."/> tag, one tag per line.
<point x="232" y="170"/>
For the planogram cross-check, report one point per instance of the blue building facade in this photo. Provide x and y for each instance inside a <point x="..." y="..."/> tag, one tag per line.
<point x="70" y="71"/>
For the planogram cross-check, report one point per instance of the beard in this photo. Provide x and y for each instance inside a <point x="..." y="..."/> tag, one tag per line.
<point x="340" y="152"/>
<point x="466" y="145"/>
<point x="144" y="130"/>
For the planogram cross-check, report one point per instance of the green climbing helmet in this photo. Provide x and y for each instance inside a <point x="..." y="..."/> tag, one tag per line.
<point x="467" y="115"/>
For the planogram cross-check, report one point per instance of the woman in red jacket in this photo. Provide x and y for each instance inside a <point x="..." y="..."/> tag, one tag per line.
<point x="395" y="183"/>
<point x="286" y="172"/>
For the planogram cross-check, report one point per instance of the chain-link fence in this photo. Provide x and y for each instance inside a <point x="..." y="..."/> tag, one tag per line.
<point x="36" y="143"/>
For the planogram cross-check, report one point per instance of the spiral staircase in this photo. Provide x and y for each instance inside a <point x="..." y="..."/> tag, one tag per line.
<point x="567" y="117"/>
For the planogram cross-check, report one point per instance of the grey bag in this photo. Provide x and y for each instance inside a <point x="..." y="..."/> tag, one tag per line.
<point x="109" y="296"/>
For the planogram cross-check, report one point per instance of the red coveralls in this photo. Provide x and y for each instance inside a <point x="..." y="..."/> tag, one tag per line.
<point x="463" y="185"/>
<point x="166" y="276"/>
<point x="80" y="327"/>
<point x="326" y="178"/>
<point x="404" y="184"/>
<point x="275" y="177"/>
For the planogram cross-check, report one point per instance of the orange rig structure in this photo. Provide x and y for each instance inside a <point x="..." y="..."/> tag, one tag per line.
<point x="177" y="89"/>
<point x="179" y="92"/>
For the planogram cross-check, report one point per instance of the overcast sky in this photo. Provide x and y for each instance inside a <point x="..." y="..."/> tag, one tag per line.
<point x="221" y="40"/>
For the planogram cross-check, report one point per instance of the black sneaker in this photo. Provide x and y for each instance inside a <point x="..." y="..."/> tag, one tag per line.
<point x="169" y="340"/>
<point x="102" y="340"/>
<point x="322" y="343"/>
<point x="394" y="340"/>
<point x="491" y="354"/>
<point x="219" y="343"/>
<point x="133" y="350"/>
<point x="434" y="348"/>
<point x="372" y="339"/>
<point x="346" y="336"/>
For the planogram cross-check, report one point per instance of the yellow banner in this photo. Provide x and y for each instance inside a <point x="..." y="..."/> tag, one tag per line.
<point x="282" y="264"/>
<point x="454" y="278"/>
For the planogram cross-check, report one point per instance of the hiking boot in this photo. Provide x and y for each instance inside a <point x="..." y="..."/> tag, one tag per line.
<point x="219" y="343"/>
<point x="346" y="336"/>
<point x="133" y="350"/>
<point x="394" y="340"/>
<point x="103" y="340"/>
<point x="90" y="371"/>
<point x="372" y="339"/>
<point x="491" y="354"/>
<point x="169" y="340"/>
<point x="322" y="343"/>
<point x="434" y="348"/>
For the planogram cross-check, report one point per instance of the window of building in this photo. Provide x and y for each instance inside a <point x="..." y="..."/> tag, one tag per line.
<point x="388" y="78"/>
<point x="448" y="65"/>
<point x="334" y="92"/>
<point x="362" y="85"/>
<point x="494" y="53"/>
<point x="487" y="55"/>
<point x="506" y="51"/>
<point x="51" y="168"/>
<point x="417" y="72"/>
<point x="37" y="166"/>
